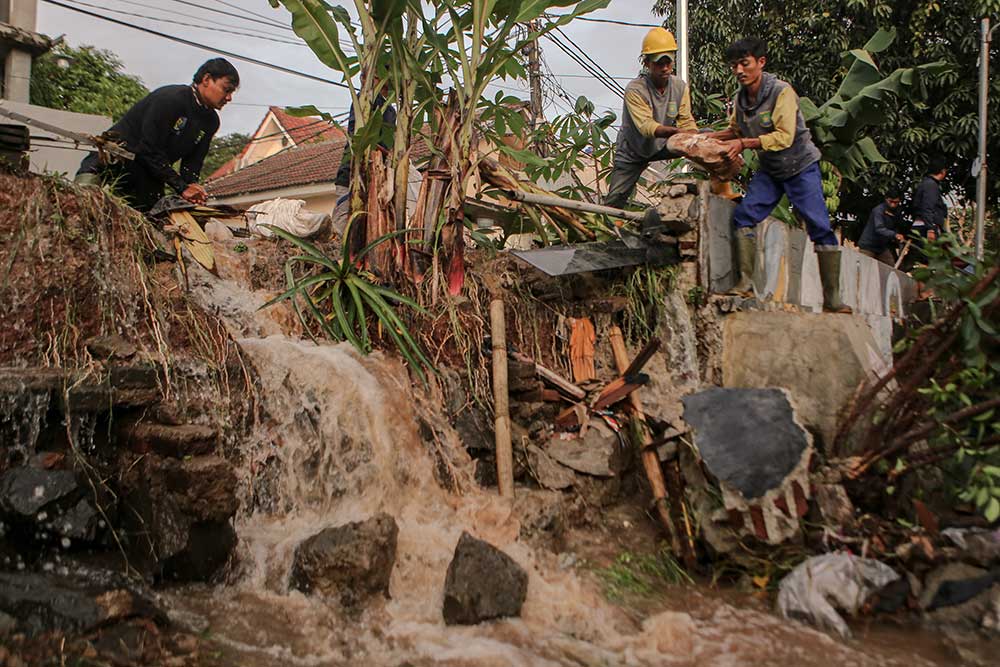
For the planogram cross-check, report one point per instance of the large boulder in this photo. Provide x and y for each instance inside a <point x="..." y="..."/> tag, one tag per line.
<point x="352" y="563"/>
<point x="483" y="583"/>
<point x="48" y="505"/>
<point x="177" y="517"/>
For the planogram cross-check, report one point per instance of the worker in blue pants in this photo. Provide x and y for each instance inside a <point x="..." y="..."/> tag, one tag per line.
<point x="767" y="118"/>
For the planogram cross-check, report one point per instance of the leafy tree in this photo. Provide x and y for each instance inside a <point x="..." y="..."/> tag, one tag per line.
<point x="807" y="44"/>
<point x="93" y="82"/>
<point x="223" y="149"/>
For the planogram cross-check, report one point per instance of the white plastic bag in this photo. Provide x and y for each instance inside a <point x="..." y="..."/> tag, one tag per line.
<point x="287" y="214"/>
<point x="817" y="588"/>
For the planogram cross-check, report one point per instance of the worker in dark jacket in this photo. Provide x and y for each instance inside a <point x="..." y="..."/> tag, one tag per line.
<point x="766" y="118"/>
<point x="657" y="105"/>
<point x="880" y="231"/>
<point x="929" y="209"/>
<point x="171" y="123"/>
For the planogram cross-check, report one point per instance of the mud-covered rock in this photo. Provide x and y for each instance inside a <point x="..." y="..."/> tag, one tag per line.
<point x="352" y="563"/>
<point x="72" y="602"/>
<point x="177" y="516"/>
<point x="597" y="453"/>
<point x="25" y="490"/>
<point x="483" y="583"/>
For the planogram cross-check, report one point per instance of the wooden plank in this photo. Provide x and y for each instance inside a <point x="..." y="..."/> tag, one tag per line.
<point x="650" y="460"/>
<point x="505" y="459"/>
<point x="618" y="389"/>
<point x="553" y="378"/>
<point x="641" y="359"/>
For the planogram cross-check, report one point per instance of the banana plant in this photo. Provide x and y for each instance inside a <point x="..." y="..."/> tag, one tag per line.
<point x="417" y="46"/>
<point x="838" y="125"/>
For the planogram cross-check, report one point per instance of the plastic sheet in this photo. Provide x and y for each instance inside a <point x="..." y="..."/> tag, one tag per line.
<point x="287" y="214"/>
<point x="816" y="589"/>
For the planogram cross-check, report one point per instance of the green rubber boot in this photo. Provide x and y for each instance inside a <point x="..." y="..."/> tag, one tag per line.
<point x="746" y="258"/>
<point x="829" y="276"/>
<point x="92" y="180"/>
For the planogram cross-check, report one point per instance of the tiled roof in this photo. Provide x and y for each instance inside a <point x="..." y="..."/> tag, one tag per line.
<point x="228" y="167"/>
<point x="301" y="165"/>
<point x="306" y="129"/>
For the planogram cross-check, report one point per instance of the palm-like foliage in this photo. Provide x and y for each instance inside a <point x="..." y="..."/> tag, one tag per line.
<point x="346" y="302"/>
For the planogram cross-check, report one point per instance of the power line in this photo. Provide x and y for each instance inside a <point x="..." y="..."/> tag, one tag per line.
<point x="614" y="21"/>
<point x="261" y="34"/>
<point x="215" y="28"/>
<point x="189" y="16"/>
<point x="199" y="45"/>
<point x="590" y="59"/>
<point x="247" y="11"/>
<point x="270" y="22"/>
<point x="610" y="85"/>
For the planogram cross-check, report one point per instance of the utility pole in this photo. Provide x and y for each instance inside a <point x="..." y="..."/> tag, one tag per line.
<point x="979" y="167"/>
<point x="534" y="55"/>
<point x="682" y="40"/>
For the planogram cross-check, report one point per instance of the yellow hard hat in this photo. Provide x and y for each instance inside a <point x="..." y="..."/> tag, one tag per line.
<point x="658" y="40"/>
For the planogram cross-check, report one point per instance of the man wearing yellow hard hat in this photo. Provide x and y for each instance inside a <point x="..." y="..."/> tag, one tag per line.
<point x="657" y="105"/>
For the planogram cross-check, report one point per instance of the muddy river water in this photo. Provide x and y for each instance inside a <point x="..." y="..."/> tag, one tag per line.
<point x="338" y="441"/>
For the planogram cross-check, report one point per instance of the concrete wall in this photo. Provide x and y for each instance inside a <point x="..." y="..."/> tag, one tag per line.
<point x="788" y="273"/>
<point x="50" y="152"/>
<point x="17" y="63"/>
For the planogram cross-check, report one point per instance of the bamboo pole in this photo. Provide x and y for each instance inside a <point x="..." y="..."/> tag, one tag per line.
<point x="650" y="460"/>
<point x="501" y="408"/>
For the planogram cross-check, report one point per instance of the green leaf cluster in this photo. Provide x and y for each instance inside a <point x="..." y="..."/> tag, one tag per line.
<point x="93" y="82"/>
<point x="346" y="303"/>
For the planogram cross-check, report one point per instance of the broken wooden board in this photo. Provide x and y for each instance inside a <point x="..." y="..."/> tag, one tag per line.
<point x="553" y="378"/>
<point x="581" y="349"/>
<point x="618" y="389"/>
<point x="194" y="239"/>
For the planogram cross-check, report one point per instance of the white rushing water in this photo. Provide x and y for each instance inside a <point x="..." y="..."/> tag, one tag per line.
<point x="340" y="441"/>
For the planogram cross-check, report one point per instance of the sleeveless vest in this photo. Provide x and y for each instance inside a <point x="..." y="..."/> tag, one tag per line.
<point x="632" y="146"/>
<point x="755" y="120"/>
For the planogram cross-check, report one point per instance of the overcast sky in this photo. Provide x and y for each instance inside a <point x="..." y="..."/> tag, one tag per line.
<point x="159" y="62"/>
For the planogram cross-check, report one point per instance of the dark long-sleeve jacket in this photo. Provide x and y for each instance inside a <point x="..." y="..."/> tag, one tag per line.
<point x="168" y="125"/>
<point x="880" y="230"/>
<point x="343" y="177"/>
<point x="928" y="205"/>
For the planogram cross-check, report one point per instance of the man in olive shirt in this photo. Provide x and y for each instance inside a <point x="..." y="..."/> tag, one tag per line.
<point x="172" y="123"/>
<point x="766" y="118"/>
<point x="657" y="105"/>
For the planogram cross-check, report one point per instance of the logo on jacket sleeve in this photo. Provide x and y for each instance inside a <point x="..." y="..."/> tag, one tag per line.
<point x="180" y="123"/>
<point x="765" y="118"/>
<point x="672" y="108"/>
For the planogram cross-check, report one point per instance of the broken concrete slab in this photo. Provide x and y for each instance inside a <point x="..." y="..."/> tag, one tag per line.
<point x="597" y="453"/>
<point x="483" y="583"/>
<point x="748" y="438"/>
<point x="819" y="359"/>
<point x="548" y="472"/>
<point x="352" y="563"/>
